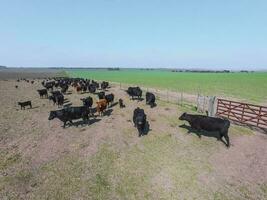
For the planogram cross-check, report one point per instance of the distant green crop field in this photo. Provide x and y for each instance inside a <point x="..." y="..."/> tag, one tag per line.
<point x="246" y="86"/>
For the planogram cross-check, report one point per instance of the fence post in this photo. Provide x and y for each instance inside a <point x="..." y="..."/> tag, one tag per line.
<point x="182" y="98"/>
<point x="204" y="102"/>
<point x="167" y="96"/>
<point x="211" y="105"/>
<point x="177" y="97"/>
<point x="197" y="102"/>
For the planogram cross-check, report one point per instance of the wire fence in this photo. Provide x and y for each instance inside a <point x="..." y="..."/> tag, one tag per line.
<point x="202" y="103"/>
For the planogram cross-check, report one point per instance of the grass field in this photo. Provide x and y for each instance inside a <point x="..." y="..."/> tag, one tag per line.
<point x="246" y="86"/>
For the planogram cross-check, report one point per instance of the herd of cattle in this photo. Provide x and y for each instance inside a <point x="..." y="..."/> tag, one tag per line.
<point x="54" y="89"/>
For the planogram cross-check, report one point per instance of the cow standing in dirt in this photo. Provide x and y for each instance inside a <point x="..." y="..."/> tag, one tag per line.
<point x="201" y="122"/>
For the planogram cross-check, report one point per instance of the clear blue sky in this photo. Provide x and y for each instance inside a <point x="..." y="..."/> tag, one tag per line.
<point x="134" y="33"/>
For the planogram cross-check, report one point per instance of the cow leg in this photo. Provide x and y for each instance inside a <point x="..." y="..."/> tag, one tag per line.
<point x="140" y="133"/>
<point x="227" y="140"/>
<point x="198" y="132"/>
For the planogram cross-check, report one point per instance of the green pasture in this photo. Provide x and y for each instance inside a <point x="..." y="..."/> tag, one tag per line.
<point x="251" y="87"/>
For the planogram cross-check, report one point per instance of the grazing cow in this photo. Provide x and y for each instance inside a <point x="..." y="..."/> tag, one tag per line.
<point x="83" y="88"/>
<point x="139" y="119"/>
<point x="109" y="98"/>
<point x="92" y="88"/>
<point x="43" y="92"/>
<point x="135" y="92"/>
<point x="101" y="106"/>
<point x="24" y="104"/>
<point x="60" y="100"/>
<point x="96" y="84"/>
<point x="101" y="95"/>
<point x="104" y="85"/>
<point x="57" y="97"/>
<point x="201" y="122"/>
<point x="70" y="113"/>
<point x="64" y="89"/>
<point x="121" y="103"/>
<point x="49" y="85"/>
<point x="32" y="82"/>
<point x="87" y="102"/>
<point x="16" y="86"/>
<point x="150" y="99"/>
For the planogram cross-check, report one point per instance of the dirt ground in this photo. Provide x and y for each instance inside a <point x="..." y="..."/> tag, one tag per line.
<point x="107" y="160"/>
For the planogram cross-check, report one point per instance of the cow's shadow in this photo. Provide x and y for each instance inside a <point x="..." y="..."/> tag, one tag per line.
<point x="113" y="104"/>
<point x="152" y="106"/>
<point x="214" y="134"/>
<point x="108" y="112"/>
<point x="67" y="105"/>
<point x="66" y="101"/>
<point x="138" y="99"/>
<point x="83" y="123"/>
<point x="34" y="107"/>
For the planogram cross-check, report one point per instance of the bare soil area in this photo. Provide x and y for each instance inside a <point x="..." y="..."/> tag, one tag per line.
<point x="107" y="160"/>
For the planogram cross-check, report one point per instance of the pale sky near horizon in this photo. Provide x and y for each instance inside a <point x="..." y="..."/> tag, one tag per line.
<point x="226" y="34"/>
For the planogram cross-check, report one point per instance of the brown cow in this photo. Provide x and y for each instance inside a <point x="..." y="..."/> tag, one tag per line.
<point x="101" y="106"/>
<point x="78" y="88"/>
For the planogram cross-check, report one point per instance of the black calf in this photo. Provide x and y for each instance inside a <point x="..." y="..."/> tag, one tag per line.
<point x="139" y="119"/>
<point x="24" y="104"/>
<point x="42" y="93"/>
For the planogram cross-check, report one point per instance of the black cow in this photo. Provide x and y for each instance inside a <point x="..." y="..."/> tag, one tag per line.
<point x="87" y="102"/>
<point x="64" y="89"/>
<point x="83" y="88"/>
<point x="150" y="99"/>
<point x="24" y="104"/>
<point x="49" y="86"/>
<point x="16" y="86"/>
<point x="43" y="92"/>
<point x="104" y="85"/>
<point x="139" y="119"/>
<point x="60" y="100"/>
<point x="109" y="98"/>
<point x="135" y="92"/>
<point x="92" y="88"/>
<point x="121" y="103"/>
<point x="70" y="113"/>
<point x="57" y="97"/>
<point x="202" y="122"/>
<point x="101" y="95"/>
<point x="96" y="84"/>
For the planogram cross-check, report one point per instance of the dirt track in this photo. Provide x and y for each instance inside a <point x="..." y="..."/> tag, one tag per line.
<point x="106" y="159"/>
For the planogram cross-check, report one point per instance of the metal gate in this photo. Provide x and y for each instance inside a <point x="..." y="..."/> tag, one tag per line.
<point x="243" y="113"/>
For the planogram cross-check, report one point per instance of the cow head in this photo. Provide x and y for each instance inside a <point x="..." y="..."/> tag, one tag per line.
<point x="183" y="116"/>
<point x="53" y="114"/>
<point x="140" y="121"/>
